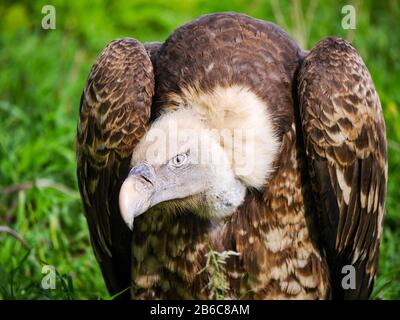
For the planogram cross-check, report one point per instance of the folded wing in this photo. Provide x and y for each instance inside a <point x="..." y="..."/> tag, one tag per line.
<point x="113" y="116"/>
<point x="345" y="142"/>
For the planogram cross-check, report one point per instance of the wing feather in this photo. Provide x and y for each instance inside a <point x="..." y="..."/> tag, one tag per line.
<point x="113" y="116"/>
<point x="345" y="142"/>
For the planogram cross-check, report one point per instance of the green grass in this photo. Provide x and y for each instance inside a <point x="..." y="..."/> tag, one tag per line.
<point x="42" y="75"/>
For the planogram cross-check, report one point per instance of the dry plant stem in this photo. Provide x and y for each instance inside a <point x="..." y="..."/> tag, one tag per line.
<point x="7" y="230"/>
<point x="40" y="184"/>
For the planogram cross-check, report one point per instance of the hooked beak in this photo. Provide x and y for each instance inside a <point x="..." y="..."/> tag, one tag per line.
<point x="136" y="192"/>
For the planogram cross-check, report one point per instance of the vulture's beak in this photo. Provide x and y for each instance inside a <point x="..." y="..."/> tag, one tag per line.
<point x="136" y="192"/>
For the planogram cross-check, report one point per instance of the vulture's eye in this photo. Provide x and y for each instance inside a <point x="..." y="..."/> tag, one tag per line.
<point x="178" y="160"/>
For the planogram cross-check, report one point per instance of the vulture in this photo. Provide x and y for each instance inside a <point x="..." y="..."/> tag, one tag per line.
<point x="229" y="163"/>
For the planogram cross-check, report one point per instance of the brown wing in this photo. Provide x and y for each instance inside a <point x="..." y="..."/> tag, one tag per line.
<point x="114" y="115"/>
<point x="345" y="141"/>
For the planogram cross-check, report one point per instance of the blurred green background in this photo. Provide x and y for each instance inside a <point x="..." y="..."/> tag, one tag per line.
<point x="41" y="77"/>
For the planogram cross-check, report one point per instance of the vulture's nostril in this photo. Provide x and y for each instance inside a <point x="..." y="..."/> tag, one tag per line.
<point x="146" y="179"/>
<point x="144" y="172"/>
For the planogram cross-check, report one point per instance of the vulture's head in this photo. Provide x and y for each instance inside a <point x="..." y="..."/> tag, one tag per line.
<point x="194" y="158"/>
